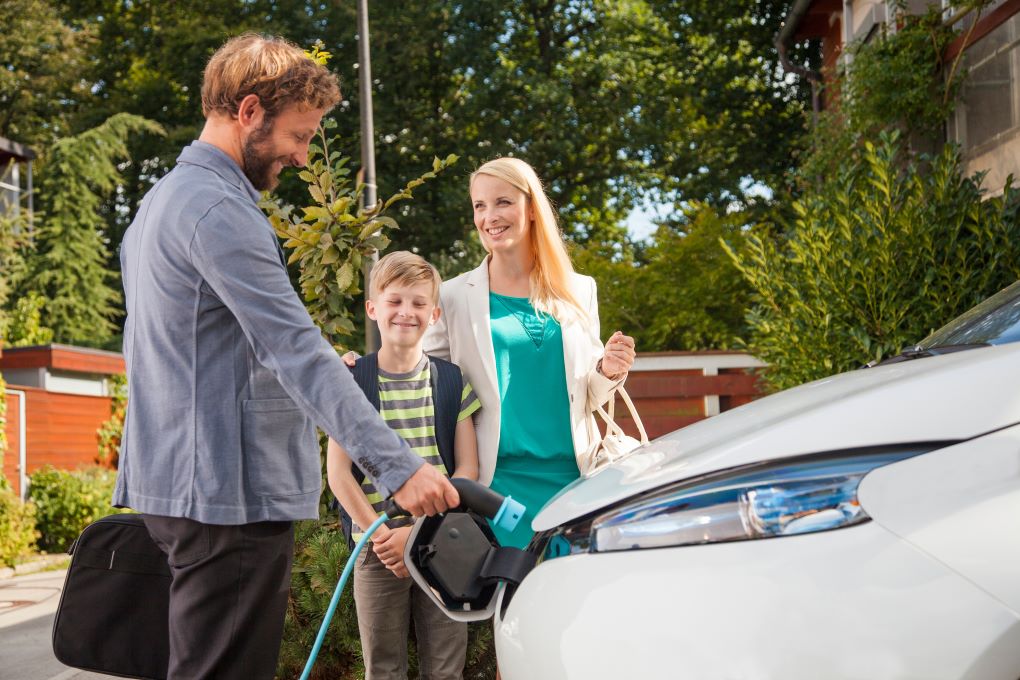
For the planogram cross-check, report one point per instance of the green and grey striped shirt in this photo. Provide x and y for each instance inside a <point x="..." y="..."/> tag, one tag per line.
<point x="405" y="403"/>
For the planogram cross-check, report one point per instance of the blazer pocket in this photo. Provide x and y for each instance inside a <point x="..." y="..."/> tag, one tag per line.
<point x="280" y="448"/>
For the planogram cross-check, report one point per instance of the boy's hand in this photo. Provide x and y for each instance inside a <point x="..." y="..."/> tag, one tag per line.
<point x="390" y="550"/>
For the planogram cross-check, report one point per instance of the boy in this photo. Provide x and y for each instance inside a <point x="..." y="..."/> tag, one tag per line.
<point x="429" y="404"/>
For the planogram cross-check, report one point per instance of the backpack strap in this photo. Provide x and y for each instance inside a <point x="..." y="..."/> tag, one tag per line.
<point x="366" y="374"/>
<point x="447" y="387"/>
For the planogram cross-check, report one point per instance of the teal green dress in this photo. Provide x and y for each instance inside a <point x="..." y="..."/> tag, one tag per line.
<point x="535" y="459"/>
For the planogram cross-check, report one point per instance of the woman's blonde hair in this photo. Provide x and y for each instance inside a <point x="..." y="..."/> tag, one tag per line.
<point x="550" y="278"/>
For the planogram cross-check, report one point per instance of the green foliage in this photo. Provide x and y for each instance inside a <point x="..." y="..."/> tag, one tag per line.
<point x="24" y="323"/>
<point x="680" y="293"/>
<point x="17" y="526"/>
<point x="330" y="237"/>
<point x="68" y="264"/>
<point x="320" y="555"/>
<point x="875" y="260"/>
<point x="611" y="101"/>
<point x="109" y="433"/>
<point x="13" y="240"/>
<point x="895" y="81"/>
<point x="41" y="83"/>
<point x="69" y="501"/>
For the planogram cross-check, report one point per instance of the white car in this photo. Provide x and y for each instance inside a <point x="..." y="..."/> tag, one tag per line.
<point x="862" y="526"/>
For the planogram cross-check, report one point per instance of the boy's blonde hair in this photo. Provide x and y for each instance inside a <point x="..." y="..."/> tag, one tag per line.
<point x="404" y="267"/>
<point x="550" y="277"/>
<point x="276" y="71"/>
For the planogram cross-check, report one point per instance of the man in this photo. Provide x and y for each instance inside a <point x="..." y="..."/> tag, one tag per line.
<point x="228" y="376"/>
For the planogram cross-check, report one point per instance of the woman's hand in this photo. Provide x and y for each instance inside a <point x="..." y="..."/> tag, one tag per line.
<point x="618" y="356"/>
<point x="390" y="550"/>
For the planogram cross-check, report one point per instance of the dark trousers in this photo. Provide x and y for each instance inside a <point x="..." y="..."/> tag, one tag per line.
<point x="228" y="596"/>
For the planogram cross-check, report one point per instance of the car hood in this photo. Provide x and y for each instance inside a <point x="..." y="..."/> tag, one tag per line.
<point x="951" y="397"/>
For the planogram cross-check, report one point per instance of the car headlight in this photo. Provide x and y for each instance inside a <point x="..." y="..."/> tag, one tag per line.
<point x="763" y="500"/>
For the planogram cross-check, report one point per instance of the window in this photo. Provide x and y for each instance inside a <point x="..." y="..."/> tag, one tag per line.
<point x="10" y="191"/>
<point x="988" y="115"/>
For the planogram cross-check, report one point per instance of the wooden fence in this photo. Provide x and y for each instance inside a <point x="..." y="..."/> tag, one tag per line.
<point x="60" y="430"/>
<point x="671" y="390"/>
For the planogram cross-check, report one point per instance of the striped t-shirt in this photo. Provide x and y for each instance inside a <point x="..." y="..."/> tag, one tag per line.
<point x="405" y="403"/>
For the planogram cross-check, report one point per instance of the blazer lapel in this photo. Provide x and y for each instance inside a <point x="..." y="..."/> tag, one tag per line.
<point x="478" y="310"/>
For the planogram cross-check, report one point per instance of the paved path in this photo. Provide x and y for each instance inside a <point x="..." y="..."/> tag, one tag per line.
<point x="27" y="606"/>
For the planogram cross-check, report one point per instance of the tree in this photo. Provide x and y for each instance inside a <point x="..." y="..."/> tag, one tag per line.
<point x="147" y="59"/>
<point x="611" y="101"/>
<point x="723" y="123"/>
<point x="68" y="264"/>
<point x="41" y="83"/>
<point x="681" y="292"/>
<point x="615" y="103"/>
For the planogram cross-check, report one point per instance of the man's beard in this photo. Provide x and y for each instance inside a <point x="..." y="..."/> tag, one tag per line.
<point x="257" y="161"/>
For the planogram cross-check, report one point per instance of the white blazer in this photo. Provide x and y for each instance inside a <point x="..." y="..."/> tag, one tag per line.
<point x="463" y="335"/>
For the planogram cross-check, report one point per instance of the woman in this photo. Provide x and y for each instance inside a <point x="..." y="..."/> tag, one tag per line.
<point x="524" y="328"/>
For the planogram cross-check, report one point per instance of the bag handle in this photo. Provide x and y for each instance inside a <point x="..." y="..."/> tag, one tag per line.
<point x="610" y="419"/>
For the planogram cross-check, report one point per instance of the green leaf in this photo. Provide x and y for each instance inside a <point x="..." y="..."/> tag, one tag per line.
<point x="378" y="242"/>
<point x="316" y="212"/>
<point x="330" y="255"/>
<point x="317" y="194"/>
<point x="345" y="276"/>
<point x="377" y="223"/>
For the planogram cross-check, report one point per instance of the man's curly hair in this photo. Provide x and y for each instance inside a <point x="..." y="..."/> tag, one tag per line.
<point x="275" y="70"/>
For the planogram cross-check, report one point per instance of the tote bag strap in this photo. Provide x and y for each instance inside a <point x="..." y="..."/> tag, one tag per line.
<point x="609" y="417"/>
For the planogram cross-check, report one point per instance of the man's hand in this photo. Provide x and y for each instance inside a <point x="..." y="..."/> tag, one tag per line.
<point x="349" y="358"/>
<point x="390" y="550"/>
<point x="427" y="492"/>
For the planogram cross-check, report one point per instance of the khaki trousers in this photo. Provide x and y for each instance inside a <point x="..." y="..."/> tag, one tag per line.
<point x="386" y="605"/>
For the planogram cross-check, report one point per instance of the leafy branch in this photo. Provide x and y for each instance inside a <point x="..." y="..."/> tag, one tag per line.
<point x="331" y="237"/>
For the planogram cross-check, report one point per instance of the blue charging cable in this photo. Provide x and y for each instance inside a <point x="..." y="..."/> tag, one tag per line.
<point x="336" y="594"/>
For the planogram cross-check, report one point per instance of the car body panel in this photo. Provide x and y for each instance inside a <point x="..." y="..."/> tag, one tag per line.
<point x="960" y="505"/>
<point x="850" y="603"/>
<point x="950" y="397"/>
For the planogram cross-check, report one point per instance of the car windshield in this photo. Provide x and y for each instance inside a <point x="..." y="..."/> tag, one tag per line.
<point x="996" y="321"/>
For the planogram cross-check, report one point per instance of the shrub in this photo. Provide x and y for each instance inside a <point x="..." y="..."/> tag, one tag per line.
<point x="17" y="526"/>
<point x="68" y="501"/>
<point x="875" y="260"/>
<point x="320" y="554"/>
